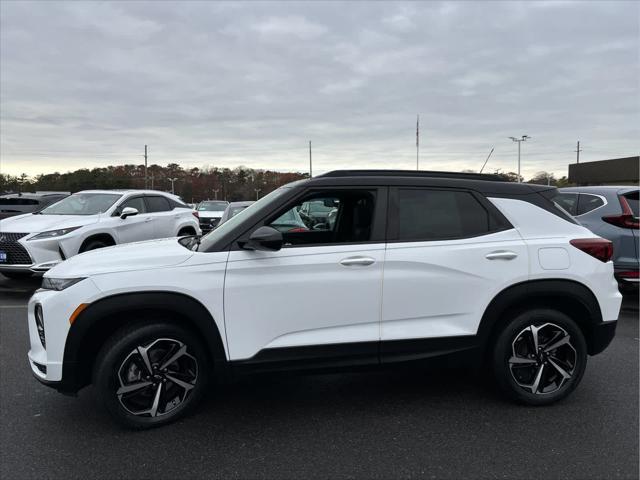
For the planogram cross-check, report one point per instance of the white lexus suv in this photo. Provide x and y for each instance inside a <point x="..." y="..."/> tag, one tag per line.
<point x="404" y="267"/>
<point x="87" y="220"/>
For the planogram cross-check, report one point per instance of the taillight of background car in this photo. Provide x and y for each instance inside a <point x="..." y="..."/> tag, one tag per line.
<point x="628" y="218"/>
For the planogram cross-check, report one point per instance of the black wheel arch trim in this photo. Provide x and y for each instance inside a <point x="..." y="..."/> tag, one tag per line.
<point x="567" y="293"/>
<point x="201" y="320"/>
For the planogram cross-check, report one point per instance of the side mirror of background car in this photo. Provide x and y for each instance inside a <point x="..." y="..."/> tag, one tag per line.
<point x="128" y="212"/>
<point x="265" y="238"/>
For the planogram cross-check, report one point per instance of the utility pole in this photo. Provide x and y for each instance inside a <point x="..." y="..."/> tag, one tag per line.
<point x="146" y="180"/>
<point x="310" y="162"/>
<point x="578" y="152"/>
<point x="519" y="141"/>
<point x="152" y="179"/>
<point x="257" y="190"/>
<point x="418" y="142"/>
<point x="172" y="180"/>
<point x="215" y="193"/>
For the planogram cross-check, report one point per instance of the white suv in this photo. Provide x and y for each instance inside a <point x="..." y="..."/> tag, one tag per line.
<point x="405" y="266"/>
<point x="35" y="242"/>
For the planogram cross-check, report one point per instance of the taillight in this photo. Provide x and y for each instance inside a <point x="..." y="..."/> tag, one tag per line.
<point x="596" y="247"/>
<point x="298" y="229"/>
<point x="626" y="220"/>
<point x="629" y="274"/>
<point x="196" y="214"/>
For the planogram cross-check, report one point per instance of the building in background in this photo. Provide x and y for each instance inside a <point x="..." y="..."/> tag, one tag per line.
<point x="617" y="171"/>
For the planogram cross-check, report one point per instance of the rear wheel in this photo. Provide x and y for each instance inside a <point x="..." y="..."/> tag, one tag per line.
<point x="540" y="357"/>
<point x="149" y="375"/>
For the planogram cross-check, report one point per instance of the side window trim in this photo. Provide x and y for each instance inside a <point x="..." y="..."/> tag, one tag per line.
<point x="378" y="231"/>
<point x="497" y="221"/>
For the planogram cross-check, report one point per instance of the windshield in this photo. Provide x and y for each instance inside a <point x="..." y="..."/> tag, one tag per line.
<point x="212" y="206"/>
<point x="263" y="204"/>
<point x="82" y="204"/>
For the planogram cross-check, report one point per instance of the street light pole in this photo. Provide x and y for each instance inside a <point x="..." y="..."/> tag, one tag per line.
<point x="215" y="192"/>
<point x="257" y="190"/>
<point x="172" y="180"/>
<point x="519" y="141"/>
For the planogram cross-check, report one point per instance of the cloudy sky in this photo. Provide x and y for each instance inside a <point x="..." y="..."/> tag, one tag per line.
<point x="87" y="84"/>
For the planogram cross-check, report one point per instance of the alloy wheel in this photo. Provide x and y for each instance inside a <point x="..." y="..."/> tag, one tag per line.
<point x="156" y="378"/>
<point x="542" y="358"/>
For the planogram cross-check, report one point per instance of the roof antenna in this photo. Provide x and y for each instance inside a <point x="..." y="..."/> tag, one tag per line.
<point x="485" y="162"/>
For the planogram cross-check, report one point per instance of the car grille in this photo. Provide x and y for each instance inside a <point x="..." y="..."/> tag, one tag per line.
<point x="16" y="254"/>
<point x="208" y="223"/>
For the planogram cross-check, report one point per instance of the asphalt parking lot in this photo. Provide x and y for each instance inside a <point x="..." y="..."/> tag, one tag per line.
<point x="370" y="425"/>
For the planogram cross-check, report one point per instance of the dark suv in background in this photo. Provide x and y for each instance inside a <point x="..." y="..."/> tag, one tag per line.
<point x="19" y="203"/>
<point x="612" y="213"/>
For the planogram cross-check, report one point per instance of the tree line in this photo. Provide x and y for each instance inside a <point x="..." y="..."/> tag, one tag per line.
<point x="192" y="185"/>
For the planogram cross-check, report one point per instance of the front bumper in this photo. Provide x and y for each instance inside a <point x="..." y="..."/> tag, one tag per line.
<point x="208" y="224"/>
<point x="47" y="363"/>
<point x="36" y="256"/>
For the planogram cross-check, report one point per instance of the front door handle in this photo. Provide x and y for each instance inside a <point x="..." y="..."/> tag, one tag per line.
<point x="148" y="219"/>
<point x="501" y="255"/>
<point x="357" y="261"/>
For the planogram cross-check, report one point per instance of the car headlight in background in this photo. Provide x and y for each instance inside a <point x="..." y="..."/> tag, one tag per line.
<point x="58" y="284"/>
<point x="54" y="233"/>
<point x="40" y="324"/>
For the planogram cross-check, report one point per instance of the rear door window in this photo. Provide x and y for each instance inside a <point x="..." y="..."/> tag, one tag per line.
<point x="588" y="202"/>
<point x="426" y="214"/>
<point x="568" y="202"/>
<point x="157" y="204"/>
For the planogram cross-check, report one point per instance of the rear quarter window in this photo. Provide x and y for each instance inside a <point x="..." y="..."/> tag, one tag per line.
<point x="440" y="214"/>
<point x="632" y="201"/>
<point x="588" y="202"/>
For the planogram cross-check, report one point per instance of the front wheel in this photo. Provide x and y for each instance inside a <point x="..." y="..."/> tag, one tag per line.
<point x="149" y="375"/>
<point x="539" y="357"/>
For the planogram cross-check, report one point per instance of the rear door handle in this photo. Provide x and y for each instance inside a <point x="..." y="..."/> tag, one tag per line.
<point x="501" y="255"/>
<point x="357" y="261"/>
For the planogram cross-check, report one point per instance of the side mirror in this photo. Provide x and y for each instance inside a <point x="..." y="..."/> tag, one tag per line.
<point x="128" y="212"/>
<point x="265" y="238"/>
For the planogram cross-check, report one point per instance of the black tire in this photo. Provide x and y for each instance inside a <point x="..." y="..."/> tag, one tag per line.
<point x="119" y="357"/>
<point x="17" y="275"/>
<point x="517" y="336"/>
<point x="93" y="245"/>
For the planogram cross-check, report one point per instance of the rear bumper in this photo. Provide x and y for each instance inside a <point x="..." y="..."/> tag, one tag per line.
<point x="601" y="336"/>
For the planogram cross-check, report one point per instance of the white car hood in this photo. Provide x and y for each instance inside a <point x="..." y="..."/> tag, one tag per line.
<point x="31" y="223"/>
<point x="166" y="252"/>
<point x="204" y="214"/>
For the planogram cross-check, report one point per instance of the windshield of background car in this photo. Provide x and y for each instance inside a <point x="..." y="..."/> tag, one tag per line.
<point x="212" y="207"/>
<point x="82" y="204"/>
<point x="264" y="204"/>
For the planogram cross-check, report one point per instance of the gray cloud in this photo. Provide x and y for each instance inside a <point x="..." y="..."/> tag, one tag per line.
<point x="86" y="84"/>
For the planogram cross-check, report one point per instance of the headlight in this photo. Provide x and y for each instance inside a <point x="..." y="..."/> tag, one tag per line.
<point x="58" y="284"/>
<point x="54" y="233"/>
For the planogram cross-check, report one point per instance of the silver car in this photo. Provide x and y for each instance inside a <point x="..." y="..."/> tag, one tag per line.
<point x="612" y="213"/>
